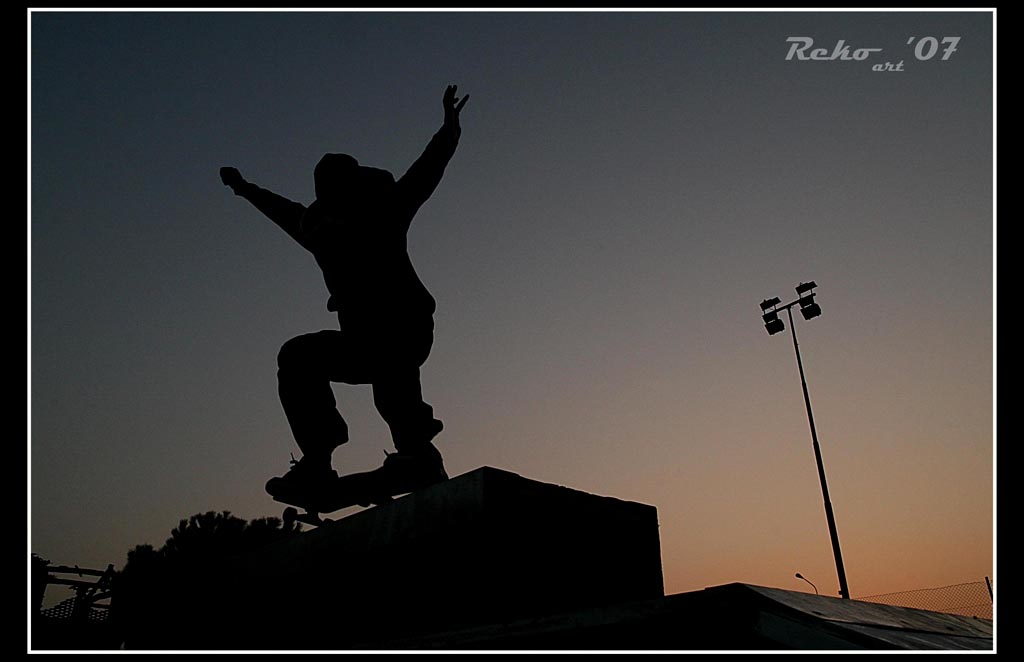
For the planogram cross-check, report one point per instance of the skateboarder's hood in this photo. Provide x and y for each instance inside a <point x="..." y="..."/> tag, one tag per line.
<point x="337" y="176"/>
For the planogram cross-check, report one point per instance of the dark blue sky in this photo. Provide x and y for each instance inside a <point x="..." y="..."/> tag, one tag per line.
<point x="628" y="188"/>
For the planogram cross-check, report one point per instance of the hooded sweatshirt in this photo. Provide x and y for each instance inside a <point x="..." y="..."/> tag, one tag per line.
<point x="357" y="231"/>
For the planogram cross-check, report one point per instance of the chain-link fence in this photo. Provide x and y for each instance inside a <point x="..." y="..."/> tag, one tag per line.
<point x="969" y="599"/>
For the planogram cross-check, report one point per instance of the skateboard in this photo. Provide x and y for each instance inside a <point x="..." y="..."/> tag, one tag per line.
<point x="359" y="489"/>
<point x="365" y="489"/>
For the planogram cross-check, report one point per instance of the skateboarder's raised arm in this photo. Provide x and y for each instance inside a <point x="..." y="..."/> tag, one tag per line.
<point x="423" y="176"/>
<point x="286" y="213"/>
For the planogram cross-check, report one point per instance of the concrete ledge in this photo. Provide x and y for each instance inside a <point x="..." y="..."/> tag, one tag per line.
<point x="484" y="547"/>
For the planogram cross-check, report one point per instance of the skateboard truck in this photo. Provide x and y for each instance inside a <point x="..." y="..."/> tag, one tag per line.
<point x="311" y="517"/>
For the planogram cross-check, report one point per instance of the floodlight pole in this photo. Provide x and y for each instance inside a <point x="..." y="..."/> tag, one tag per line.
<point x="844" y="590"/>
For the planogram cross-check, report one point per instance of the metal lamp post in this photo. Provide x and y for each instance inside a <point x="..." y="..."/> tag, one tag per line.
<point x="799" y="576"/>
<point x="809" y="309"/>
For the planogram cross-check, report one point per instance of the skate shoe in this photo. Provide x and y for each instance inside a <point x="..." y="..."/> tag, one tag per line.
<point x="407" y="471"/>
<point x="305" y="482"/>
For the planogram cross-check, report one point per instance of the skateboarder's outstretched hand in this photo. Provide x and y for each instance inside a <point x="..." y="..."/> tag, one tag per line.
<point x="453" y="105"/>
<point x="231" y="177"/>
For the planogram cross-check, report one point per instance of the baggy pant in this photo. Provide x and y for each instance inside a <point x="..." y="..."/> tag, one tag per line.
<point x="388" y="360"/>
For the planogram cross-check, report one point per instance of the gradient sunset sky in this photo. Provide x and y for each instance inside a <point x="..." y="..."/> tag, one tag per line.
<point x="628" y="188"/>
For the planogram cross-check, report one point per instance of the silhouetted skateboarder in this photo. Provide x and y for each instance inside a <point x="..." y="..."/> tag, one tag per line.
<point x="356" y="229"/>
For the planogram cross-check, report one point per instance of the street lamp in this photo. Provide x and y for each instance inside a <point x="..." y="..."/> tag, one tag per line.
<point x="799" y="576"/>
<point x="770" y="309"/>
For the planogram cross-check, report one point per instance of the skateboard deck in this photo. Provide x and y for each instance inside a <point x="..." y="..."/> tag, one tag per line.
<point x="359" y="489"/>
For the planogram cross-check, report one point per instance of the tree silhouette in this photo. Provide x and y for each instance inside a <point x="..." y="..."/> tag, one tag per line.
<point x="157" y="586"/>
